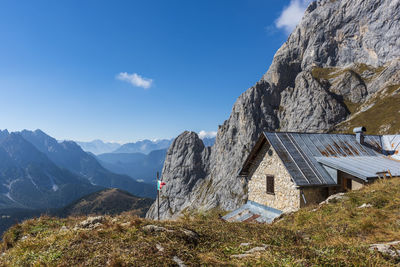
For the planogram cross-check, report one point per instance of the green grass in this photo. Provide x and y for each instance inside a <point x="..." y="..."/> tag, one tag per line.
<point x="326" y="73"/>
<point x="352" y="107"/>
<point x="382" y="118"/>
<point x="385" y="111"/>
<point x="332" y="72"/>
<point x="336" y="234"/>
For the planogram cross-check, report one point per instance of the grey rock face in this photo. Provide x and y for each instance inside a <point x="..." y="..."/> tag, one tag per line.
<point x="341" y="32"/>
<point x="351" y="86"/>
<point x="354" y="43"/>
<point x="309" y="106"/>
<point x="184" y="170"/>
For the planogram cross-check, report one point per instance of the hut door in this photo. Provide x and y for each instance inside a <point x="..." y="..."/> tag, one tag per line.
<point x="346" y="184"/>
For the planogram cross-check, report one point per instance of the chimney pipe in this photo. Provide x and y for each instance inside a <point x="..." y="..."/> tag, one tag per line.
<point x="359" y="131"/>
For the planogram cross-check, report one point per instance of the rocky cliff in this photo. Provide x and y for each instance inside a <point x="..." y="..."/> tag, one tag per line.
<point x="340" y="67"/>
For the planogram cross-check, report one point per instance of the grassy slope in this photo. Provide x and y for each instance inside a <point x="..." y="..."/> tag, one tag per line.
<point x="382" y="115"/>
<point x="334" y="234"/>
<point x="108" y="201"/>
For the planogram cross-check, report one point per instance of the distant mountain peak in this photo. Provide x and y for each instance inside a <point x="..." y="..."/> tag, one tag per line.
<point x="98" y="146"/>
<point x="144" y="146"/>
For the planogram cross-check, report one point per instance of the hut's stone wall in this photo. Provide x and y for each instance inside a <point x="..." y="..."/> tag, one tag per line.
<point x="287" y="195"/>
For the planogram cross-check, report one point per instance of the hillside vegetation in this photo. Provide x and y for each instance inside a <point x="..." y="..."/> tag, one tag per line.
<point x="339" y="233"/>
<point x="379" y="113"/>
<point x="108" y="201"/>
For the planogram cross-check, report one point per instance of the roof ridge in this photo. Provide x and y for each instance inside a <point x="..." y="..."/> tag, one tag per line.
<point x="294" y="132"/>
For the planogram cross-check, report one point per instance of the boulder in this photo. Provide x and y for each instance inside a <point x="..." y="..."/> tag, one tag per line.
<point x="387" y="249"/>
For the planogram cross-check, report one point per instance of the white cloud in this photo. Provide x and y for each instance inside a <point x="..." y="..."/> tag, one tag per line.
<point x="291" y="15"/>
<point x="135" y="79"/>
<point x="204" y="134"/>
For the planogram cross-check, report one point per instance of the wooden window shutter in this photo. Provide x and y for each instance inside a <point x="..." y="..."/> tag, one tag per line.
<point x="270" y="184"/>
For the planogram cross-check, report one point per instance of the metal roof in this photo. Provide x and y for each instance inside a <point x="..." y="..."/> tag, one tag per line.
<point x="298" y="151"/>
<point x="253" y="212"/>
<point x="365" y="167"/>
<point x="301" y="153"/>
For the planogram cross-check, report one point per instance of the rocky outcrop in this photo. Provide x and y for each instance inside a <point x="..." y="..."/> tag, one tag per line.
<point x="315" y="110"/>
<point x="341" y="54"/>
<point x="184" y="171"/>
<point x="351" y="86"/>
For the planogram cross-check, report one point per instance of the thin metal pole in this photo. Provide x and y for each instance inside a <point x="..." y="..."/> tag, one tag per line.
<point x="158" y="197"/>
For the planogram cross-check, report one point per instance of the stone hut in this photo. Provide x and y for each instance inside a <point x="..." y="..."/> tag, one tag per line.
<point x="287" y="171"/>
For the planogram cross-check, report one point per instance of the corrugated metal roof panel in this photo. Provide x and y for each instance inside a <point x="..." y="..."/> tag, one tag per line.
<point x="253" y="212"/>
<point x="298" y="151"/>
<point x="287" y="159"/>
<point x="364" y="167"/>
<point x="306" y="148"/>
<point x="298" y="158"/>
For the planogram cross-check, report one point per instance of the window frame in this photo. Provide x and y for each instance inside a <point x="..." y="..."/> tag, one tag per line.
<point x="270" y="182"/>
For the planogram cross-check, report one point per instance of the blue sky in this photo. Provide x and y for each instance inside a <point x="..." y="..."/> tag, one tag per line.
<point x="129" y="70"/>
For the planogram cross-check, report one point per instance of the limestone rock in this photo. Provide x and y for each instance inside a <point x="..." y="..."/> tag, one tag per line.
<point x="154" y="228"/>
<point x="365" y="205"/>
<point x="184" y="170"/>
<point x="126" y="224"/>
<point x="387" y="249"/>
<point x="90" y="223"/>
<point x="250" y="252"/>
<point x="334" y="198"/>
<point x="351" y="86"/>
<point x="355" y="43"/>
<point x="309" y="106"/>
<point x="179" y="261"/>
<point x="160" y="248"/>
<point x="256" y="249"/>
<point x="191" y="236"/>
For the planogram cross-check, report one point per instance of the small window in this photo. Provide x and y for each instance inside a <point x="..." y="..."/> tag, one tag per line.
<point x="270" y="184"/>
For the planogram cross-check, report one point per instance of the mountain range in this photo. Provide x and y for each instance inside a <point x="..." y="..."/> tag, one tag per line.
<point x="338" y="69"/>
<point x="29" y="179"/>
<point x="98" y="146"/>
<point x="139" y="166"/>
<point x="144" y="146"/>
<point x="142" y="167"/>
<point x="37" y="172"/>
